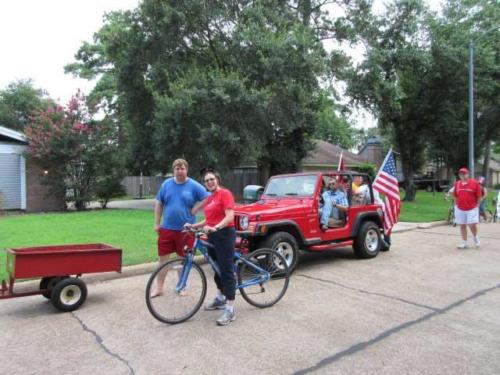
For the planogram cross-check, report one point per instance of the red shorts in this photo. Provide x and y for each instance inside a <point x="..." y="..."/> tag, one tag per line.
<point x="174" y="241"/>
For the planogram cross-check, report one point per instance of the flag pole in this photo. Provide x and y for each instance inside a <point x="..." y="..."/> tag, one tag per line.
<point x="383" y="163"/>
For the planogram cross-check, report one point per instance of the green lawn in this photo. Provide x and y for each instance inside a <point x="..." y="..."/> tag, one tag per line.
<point x="428" y="207"/>
<point x="131" y="230"/>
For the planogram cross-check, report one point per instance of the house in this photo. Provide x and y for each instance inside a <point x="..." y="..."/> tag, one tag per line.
<point x="327" y="155"/>
<point x="21" y="181"/>
<point x="373" y="151"/>
<point x="493" y="175"/>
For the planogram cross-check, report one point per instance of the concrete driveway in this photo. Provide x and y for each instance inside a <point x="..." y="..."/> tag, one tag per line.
<point x="422" y="308"/>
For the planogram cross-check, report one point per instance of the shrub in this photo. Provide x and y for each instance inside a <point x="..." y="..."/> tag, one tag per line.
<point x="77" y="151"/>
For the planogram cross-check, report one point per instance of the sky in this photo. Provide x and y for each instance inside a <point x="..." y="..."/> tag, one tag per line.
<point x="39" y="37"/>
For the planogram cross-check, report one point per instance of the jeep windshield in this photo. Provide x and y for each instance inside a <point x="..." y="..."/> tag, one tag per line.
<point x="291" y="186"/>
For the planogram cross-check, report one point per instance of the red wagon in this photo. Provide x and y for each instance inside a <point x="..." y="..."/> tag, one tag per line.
<point x="56" y="265"/>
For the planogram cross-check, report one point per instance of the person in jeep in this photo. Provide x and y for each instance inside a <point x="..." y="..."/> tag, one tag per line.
<point x="335" y="204"/>
<point x="360" y="192"/>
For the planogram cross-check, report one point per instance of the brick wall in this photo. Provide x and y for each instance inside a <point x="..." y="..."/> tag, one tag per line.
<point x="38" y="198"/>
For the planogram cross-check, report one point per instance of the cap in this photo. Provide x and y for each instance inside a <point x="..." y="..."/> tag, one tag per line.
<point x="463" y="170"/>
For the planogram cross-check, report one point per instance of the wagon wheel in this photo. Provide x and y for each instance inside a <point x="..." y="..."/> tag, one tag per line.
<point x="69" y="294"/>
<point x="48" y="283"/>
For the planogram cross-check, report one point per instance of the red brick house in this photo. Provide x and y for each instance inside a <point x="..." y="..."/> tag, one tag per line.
<point x="21" y="180"/>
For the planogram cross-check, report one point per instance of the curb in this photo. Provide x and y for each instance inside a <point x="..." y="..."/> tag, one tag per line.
<point x="131" y="271"/>
<point x="147" y="268"/>
<point x="433" y="224"/>
<point x="92" y="278"/>
<point x="423" y="226"/>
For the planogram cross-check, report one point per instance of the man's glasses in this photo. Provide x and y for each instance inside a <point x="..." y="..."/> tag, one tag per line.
<point x="209" y="180"/>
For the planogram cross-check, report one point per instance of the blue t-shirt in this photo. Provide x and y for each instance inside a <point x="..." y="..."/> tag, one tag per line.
<point x="178" y="200"/>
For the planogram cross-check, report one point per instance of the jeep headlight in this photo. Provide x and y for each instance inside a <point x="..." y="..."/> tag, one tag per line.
<point x="244" y="222"/>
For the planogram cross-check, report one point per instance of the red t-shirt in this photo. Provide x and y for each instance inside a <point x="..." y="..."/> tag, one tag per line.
<point x="467" y="194"/>
<point x="217" y="203"/>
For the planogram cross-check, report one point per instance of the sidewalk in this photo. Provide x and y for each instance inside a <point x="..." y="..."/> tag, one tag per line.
<point x="404" y="226"/>
<point x="131" y="204"/>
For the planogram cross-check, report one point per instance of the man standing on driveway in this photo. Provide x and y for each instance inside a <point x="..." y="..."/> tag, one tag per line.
<point x="467" y="193"/>
<point x="177" y="201"/>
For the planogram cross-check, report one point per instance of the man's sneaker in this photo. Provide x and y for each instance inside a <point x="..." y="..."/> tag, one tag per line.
<point x="477" y="242"/>
<point x="216" y="304"/>
<point x="462" y="245"/>
<point x="226" y="317"/>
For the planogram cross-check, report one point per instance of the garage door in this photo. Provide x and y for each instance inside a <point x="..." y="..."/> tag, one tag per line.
<point x="10" y="181"/>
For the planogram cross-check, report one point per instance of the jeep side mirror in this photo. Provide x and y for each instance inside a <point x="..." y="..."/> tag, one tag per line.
<point x="252" y="193"/>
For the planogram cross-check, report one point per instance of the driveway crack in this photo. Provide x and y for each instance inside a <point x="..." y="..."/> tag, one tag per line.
<point x="386" y="334"/>
<point x="100" y="342"/>
<point x="370" y="293"/>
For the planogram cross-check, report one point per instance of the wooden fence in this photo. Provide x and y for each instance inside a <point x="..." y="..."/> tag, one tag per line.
<point x="240" y="177"/>
<point x="150" y="185"/>
<point x="235" y="181"/>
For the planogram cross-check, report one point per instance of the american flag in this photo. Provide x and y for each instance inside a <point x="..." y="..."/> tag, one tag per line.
<point x="386" y="182"/>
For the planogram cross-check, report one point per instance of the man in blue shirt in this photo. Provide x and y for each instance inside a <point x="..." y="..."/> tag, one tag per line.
<point x="177" y="201"/>
<point x="335" y="202"/>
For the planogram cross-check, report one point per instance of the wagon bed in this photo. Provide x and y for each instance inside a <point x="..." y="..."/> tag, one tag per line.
<point x="55" y="264"/>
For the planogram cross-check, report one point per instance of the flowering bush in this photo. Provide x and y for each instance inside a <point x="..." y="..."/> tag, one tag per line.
<point x="77" y="152"/>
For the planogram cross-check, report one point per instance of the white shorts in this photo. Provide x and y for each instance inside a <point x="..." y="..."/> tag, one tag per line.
<point x="466" y="217"/>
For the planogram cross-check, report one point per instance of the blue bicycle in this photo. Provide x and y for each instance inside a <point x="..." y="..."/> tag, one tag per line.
<point x="262" y="279"/>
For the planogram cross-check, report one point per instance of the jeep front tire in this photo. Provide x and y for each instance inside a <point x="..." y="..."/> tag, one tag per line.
<point x="367" y="243"/>
<point x="285" y="244"/>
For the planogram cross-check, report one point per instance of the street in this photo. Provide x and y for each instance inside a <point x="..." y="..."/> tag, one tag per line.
<point x="424" y="307"/>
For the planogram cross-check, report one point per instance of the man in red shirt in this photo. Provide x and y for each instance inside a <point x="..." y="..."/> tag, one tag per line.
<point x="467" y="194"/>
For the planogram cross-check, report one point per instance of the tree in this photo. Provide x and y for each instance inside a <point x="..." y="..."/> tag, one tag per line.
<point x="391" y="81"/>
<point x="333" y="125"/>
<point x="259" y="63"/>
<point x="451" y="33"/>
<point x="79" y="154"/>
<point x="19" y="101"/>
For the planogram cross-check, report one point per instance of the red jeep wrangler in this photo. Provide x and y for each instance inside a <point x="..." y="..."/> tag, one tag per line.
<point x="287" y="218"/>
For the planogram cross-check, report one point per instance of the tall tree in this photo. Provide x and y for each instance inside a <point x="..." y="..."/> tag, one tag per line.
<point x="461" y="22"/>
<point x="391" y="81"/>
<point x="258" y="64"/>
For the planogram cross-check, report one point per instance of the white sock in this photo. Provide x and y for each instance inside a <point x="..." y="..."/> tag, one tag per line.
<point x="221" y="297"/>
<point x="230" y="308"/>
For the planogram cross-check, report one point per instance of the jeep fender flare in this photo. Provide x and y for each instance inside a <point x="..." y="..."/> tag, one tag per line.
<point x="361" y="218"/>
<point x="283" y="223"/>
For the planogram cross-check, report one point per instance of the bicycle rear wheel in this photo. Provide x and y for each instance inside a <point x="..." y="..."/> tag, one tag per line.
<point x="266" y="292"/>
<point x="172" y="306"/>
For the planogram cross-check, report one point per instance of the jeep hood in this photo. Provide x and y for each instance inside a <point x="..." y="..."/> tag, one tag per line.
<point x="273" y="207"/>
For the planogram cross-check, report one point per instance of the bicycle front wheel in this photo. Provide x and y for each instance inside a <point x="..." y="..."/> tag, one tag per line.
<point x="253" y="287"/>
<point x="176" y="301"/>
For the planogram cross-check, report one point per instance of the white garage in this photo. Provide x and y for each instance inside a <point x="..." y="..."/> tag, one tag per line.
<point x="12" y="170"/>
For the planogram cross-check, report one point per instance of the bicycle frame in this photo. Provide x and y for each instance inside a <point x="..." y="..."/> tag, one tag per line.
<point x="202" y="247"/>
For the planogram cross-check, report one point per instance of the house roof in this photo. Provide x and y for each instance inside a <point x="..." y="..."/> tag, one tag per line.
<point x="12" y="135"/>
<point x="326" y="153"/>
